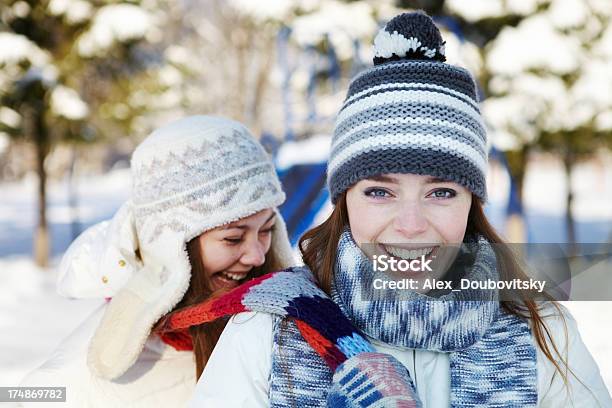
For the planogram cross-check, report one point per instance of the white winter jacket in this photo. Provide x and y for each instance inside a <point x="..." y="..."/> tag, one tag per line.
<point x="162" y="376"/>
<point x="237" y="374"/>
<point x="97" y="266"/>
<point x="102" y="263"/>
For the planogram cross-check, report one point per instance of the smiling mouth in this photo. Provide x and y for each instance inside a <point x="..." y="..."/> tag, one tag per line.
<point x="234" y="276"/>
<point x="406" y="253"/>
<point x="229" y="280"/>
<point x="409" y="253"/>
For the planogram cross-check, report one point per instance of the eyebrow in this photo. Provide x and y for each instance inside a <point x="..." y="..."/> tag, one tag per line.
<point x="431" y="180"/>
<point x="388" y="179"/>
<point x="384" y="179"/>
<point x="243" y="227"/>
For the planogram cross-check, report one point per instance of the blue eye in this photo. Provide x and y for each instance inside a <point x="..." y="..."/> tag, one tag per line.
<point x="443" y="193"/>
<point x="377" y="192"/>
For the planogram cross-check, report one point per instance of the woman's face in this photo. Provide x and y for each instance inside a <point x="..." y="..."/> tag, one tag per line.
<point x="231" y="251"/>
<point x="409" y="215"/>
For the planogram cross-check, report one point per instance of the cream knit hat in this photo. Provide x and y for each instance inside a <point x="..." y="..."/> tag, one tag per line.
<point x="188" y="177"/>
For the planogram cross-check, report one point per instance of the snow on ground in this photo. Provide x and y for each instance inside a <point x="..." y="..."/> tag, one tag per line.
<point x="34" y="319"/>
<point x="594" y="321"/>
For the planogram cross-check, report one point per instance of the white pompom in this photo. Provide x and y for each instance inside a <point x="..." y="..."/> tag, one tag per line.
<point x="412" y="43"/>
<point x="429" y="52"/>
<point x="383" y="45"/>
<point x="386" y="45"/>
<point x="442" y="49"/>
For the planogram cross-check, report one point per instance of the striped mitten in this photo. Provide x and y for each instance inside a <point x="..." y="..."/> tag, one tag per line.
<point x="372" y="380"/>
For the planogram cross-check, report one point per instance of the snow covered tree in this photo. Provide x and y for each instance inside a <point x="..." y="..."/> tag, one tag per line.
<point x="546" y="76"/>
<point x="229" y="50"/>
<point x="68" y="69"/>
<point x="550" y="84"/>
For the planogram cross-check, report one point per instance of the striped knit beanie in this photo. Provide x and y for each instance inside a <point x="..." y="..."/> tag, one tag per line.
<point x="409" y="113"/>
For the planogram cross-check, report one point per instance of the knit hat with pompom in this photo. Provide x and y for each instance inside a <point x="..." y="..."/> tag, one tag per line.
<point x="410" y="113"/>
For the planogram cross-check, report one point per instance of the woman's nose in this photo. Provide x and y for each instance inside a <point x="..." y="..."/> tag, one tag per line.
<point x="410" y="221"/>
<point x="254" y="254"/>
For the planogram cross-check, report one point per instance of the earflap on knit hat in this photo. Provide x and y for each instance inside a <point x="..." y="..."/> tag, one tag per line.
<point x="409" y="36"/>
<point x="129" y="316"/>
<point x="189" y="176"/>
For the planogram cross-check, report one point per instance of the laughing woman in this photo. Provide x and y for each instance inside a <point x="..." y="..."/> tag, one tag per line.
<point x="407" y="174"/>
<point x="202" y="220"/>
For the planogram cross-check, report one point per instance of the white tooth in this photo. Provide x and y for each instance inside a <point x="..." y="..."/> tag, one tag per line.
<point x="407" y="253"/>
<point x="228" y="275"/>
<point x="234" y="276"/>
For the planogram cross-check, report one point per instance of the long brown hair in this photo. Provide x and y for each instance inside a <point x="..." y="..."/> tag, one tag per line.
<point x="205" y="336"/>
<point x="319" y="247"/>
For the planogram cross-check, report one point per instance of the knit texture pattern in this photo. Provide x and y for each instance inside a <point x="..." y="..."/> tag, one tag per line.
<point x="410" y="113"/>
<point x="492" y="355"/>
<point x="409" y="36"/>
<point x="363" y="378"/>
<point x="372" y="380"/>
<point x="188" y="177"/>
<point x="289" y="294"/>
<point x="458" y="319"/>
<point x="198" y="173"/>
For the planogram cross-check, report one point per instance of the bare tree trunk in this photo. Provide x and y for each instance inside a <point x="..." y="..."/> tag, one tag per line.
<point x="516" y="230"/>
<point x="241" y="39"/>
<point x="260" y="87"/>
<point x="35" y="130"/>
<point x="73" y="200"/>
<point x="568" y="162"/>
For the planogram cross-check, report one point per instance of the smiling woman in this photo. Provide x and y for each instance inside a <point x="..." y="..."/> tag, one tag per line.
<point x="201" y="220"/>
<point x="221" y="259"/>
<point x="410" y="215"/>
<point x="230" y="253"/>
<point x="406" y="175"/>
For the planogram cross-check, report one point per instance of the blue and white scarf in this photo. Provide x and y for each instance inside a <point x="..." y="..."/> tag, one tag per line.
<point x="492" y="354"/>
